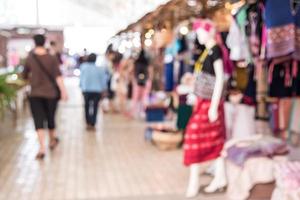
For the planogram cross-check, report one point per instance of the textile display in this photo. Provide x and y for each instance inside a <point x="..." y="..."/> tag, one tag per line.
<point x="287" y="176"/>
<point x="255" y="171"/>
<point x="280" y="28"/>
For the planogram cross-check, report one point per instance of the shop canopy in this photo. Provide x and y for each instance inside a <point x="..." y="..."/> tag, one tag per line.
<point x="114" y="14"/>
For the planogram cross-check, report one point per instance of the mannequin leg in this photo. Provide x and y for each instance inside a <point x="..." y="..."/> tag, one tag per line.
<point x="194" y="180"/>
<point x="220" y="179"/>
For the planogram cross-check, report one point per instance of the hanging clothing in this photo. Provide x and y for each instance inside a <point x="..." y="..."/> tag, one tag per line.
<point x="280" y="76"/>
<point x="228" y="64"/>
<point x="169" y="77"/>
<point x="170" y="53"/>
<point x="204" y="140"/>
<point x="280" y="28"/>
<point x="254" y="28"/>
<point x="237" y="43"/>
<point x="297" y="22"/>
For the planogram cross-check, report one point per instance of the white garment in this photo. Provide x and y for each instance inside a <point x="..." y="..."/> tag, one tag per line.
<point x="255" y="171"/>
<point x="240" y="120"/>
<point x="237" y="43"/>
<point x="283" y="190"/>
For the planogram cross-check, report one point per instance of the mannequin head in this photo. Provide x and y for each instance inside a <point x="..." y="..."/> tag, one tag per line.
<point x="205" y="30"/>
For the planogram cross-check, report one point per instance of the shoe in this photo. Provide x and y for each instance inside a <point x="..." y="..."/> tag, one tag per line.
<point x="40" y="156"/>
<point x="220" y="190"/>
<point x="90" y="128"/>
<point x="54" y="144"/>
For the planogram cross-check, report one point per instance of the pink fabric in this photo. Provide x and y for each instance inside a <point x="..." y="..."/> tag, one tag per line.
<point x="289" y="175"/>
<point x="264" y="42"/>
<point x="228" y="64"/>
<point x="202" y="23"/>
<point x="295" y="68"/>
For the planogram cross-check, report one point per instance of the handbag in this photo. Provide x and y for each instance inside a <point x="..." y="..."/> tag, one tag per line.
<point x="205" y="82"/>
<point x="50" y="77"/>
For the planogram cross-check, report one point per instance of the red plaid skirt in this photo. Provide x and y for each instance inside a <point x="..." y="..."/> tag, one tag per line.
<point x="204" y="140"/>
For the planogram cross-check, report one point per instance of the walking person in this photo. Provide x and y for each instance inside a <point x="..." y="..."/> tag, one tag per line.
<point x="47" y="87"/>
<point x="93" y="82"/>
<point x="141" y="83"/>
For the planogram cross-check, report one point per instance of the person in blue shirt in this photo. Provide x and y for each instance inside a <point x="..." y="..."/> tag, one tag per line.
<point x="93" y="83"/>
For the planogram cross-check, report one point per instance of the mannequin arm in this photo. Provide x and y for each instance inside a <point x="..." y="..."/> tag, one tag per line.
<point x="217" y="94"/>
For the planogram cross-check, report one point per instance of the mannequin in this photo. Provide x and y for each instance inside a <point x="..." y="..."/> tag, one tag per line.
<point x="205" y="133"/>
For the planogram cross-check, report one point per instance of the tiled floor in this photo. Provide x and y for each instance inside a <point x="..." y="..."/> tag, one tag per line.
<point x="115" y="163"/>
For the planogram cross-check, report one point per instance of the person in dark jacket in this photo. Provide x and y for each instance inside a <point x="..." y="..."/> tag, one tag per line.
<point x="47" y="86"/>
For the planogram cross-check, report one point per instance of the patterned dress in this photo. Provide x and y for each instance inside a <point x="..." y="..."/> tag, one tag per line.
<point x="204" y="140"/>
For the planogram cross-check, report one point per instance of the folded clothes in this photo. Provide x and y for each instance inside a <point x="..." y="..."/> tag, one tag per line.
<point x="266" y="147"/>
<point x="288" y="175"/>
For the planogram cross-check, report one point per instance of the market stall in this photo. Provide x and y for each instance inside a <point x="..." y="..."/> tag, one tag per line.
<point x="260" y="59"/>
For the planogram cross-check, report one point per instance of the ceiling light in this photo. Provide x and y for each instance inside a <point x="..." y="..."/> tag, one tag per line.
<point x="151" y="31"/>
<point x="212" y="3"/>
<point x="191" y="3"/>
<point x="148" y="42"/>
<point x="184" y="30"/>
<point x="23" y="31"/>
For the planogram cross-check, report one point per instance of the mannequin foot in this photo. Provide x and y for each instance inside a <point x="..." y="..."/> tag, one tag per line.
<point x="193" y="189"/>
<point x="214" y="187"/>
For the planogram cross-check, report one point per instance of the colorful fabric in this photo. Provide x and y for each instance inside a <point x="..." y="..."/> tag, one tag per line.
<point x="205" y="72"/>
<point x="281" y="41"/>
<point x="268" y="147"/>
<point x="280" y="23"/>
<point x="204" y="140"/>
<point x="297" y="50"/>
<point x="297" y="22"/>
<point x="228" y="64"/>
<point x="205" y="84"/>
<point x="288" y="175"/>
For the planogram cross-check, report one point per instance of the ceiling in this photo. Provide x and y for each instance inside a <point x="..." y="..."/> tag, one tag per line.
<point x="113" y="14"/>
